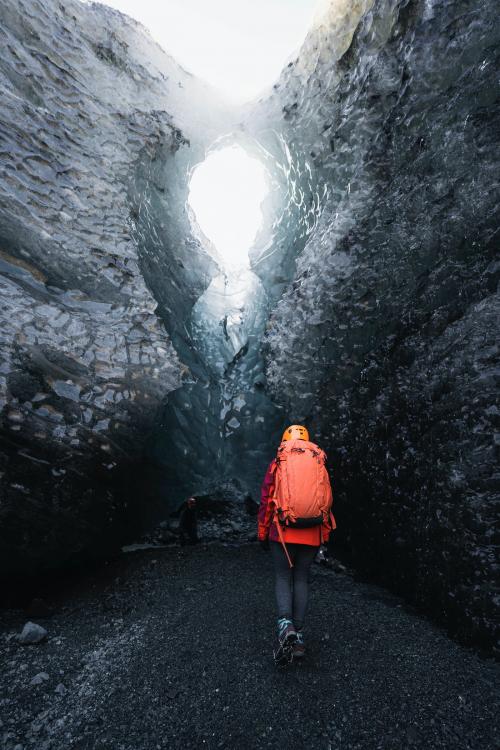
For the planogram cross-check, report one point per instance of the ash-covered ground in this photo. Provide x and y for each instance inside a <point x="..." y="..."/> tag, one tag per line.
<point x="172" y="648"/>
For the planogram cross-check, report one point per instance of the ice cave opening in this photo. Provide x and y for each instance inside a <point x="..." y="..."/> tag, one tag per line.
<point x="226" y="192"/>
<point x="240" y="207"/>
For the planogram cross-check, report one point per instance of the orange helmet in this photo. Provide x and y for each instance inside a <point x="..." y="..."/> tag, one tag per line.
<point x="295" y="432"/>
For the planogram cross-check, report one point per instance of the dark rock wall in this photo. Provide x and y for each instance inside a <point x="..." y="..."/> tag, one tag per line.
<point x="387" y="340"/>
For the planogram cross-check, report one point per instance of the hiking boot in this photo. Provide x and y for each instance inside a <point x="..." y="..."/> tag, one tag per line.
<point x="286" y="631"/>
<point x="299" y="650"/>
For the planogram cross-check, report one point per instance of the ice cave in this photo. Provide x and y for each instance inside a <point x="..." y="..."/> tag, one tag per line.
<point x="182" y="277"/>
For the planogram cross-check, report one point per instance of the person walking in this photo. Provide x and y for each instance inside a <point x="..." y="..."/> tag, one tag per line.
<point x="294" y="520"/>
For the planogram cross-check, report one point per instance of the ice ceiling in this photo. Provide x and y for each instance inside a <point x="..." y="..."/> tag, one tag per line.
<point x="226" y="192"/>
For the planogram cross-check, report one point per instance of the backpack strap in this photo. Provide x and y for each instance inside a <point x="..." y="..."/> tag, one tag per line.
<point x="282" y="488"/>
<point x="280" y="534"/>
<point x="332" y="520"/>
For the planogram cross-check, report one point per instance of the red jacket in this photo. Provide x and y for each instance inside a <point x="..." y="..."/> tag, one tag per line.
<point x="267" y="527"/>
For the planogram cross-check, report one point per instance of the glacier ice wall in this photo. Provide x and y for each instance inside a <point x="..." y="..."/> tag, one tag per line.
<point x="386" y="340"/>
<point x="86" y="361"/>
<point x="134" y="369"/>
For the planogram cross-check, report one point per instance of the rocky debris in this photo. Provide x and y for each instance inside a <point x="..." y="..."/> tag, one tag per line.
<point x="178" y="657"/>
<point x="330" y="562"/>
<point x="225" y="515"/>
<point x="165" y="533"/>
<point x="39" y="678"/>
<point x="230" y="529"/>
<point x="31" y="634"/>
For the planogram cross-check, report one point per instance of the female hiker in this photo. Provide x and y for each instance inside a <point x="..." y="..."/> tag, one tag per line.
<point x="294" y="519"/>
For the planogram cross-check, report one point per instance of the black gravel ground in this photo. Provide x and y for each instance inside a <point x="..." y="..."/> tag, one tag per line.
<point x="172" y="648"/>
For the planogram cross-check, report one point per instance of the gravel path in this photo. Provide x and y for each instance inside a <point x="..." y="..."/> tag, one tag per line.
<point x="171" y="648"/>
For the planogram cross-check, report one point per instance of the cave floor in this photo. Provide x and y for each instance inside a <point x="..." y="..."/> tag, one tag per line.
<point x="172" y="648"/>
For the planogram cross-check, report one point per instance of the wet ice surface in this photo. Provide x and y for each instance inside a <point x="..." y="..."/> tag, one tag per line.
<point x="228" y="322"/>
<point x="226" y="315"/>
<point x="161" y="649"/>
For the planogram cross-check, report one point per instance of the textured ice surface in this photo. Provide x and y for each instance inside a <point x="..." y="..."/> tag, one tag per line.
<point x="86" y="361"/>
<point x="391" y="321"/>
<point x="131" y="368"/>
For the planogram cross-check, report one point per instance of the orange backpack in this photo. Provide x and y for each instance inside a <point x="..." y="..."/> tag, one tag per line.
<point x="302" y="493"/>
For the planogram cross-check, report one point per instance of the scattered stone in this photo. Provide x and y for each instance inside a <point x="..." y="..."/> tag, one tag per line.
<point x="61" y="689"/>
<point x="67" y="389"/>
<point x="39" y="678"/>
<point x="31" y="634"/>
<point x="167" y="536"/>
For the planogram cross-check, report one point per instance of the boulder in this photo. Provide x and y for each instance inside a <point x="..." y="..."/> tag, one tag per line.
<point x="32" y="634"/>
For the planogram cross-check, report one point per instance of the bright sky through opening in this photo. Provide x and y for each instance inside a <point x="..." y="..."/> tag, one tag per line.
<point x="238" y="46"/>
<point x="225" y="193"/>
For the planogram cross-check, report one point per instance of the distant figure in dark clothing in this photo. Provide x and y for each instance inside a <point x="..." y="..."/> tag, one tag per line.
<point x="188" y="523"/>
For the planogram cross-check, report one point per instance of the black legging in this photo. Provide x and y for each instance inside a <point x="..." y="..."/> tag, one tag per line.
<point x="292" y="583"/>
